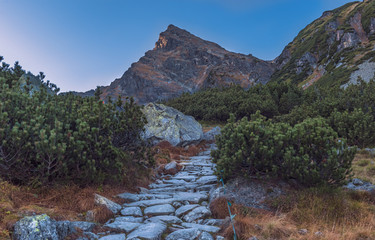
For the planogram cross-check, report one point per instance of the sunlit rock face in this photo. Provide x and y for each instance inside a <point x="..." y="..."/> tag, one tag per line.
<point x="181" y="62"/>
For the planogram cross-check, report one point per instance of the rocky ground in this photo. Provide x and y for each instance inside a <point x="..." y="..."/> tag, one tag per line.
<point x="174" y="207"/>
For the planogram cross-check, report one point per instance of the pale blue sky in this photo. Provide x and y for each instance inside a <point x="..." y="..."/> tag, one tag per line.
<point x="80" y="44"/>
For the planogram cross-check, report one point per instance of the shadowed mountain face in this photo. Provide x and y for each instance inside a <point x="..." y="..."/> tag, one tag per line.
<point x="182" y="62"/>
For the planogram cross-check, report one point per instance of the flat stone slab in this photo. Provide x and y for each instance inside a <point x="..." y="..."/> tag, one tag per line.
<point x="195" y="197"/>
<point x="184" y="234"/>
<point x="165" y="219"/>
<point x="147" y="203"/>
<point x="131" y="197"/>
<point x="148" y="231"/>
<point x="207" y="180"/>
<point x="121" y="236"/>
<point x="123" y="226"/>
<point x="129" y="219"/>
<point x="205" y="236"/>
<point x="206" y="228"/>
<point x="197" y="213"/>
<point x="164" y="209"/>
<point x="132" y="211"/>
<point x="184" y="209"/>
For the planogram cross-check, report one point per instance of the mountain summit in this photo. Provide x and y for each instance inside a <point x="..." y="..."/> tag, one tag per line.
<point x="181" y="62"/>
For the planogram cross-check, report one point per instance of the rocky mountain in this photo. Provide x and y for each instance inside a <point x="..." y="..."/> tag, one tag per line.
<point x="181" y="62"/>
<point x="335" y="49"/>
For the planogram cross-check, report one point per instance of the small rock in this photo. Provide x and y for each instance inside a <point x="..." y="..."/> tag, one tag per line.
<point x="303" y="231"/>
<point x="197" y="213"/>
<point x="164" y="209"/>
<point x="132" y="211"/>
<point x="90" y="216"/>
<point x="184" y="209"/>
<point x="205" y="236"/>
<point x="206" y="228"/>
<point x="171" y="168"/>
<point x="258" y="227"/>
<point x="121" y="236"/>
<point x="165" y="219"/>
<point x="184" y="234"/>
<point x="219" y="238"/>
<point x="144" y="190"/>
<point x="357" y="182"/>
<point x="176" y="204"/>
<point x="253" y="238"/>
<point x="149" y="231"/>
<point x="204" y="203"/>
<point x="114" y="207"/>
<point x="123" y="226"/>
<point x="318" y="234"/>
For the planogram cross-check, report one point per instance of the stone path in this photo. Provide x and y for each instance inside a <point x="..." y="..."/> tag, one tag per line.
<point x="174" y="207"/>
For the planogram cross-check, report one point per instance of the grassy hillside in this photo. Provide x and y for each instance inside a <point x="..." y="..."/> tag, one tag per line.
<point x="329" y="50"/>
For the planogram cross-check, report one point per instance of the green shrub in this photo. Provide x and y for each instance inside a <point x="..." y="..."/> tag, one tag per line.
<point x="47" y="137"/>
<point x="309" y="152"/>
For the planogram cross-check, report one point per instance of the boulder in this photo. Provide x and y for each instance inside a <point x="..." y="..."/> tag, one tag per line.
<point x="168" y="124"/>
<point x="171" y="168"/>
<point x="163" y="209"/>
<point x="210" y="135"/>
<point x="43" y="227"/>
<point x="35" y="228"/>
<point x="132" y="211"/>
<point x="100" y="200"/>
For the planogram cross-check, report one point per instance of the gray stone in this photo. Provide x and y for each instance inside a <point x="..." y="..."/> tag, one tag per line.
<point x="214" y="222"/>
<point x="168" y="124"/>
<point x="184" y="209"/>
<point x="148" y="231"/>
<point x="357" y="182"/>
<point x="318" y="234"/>
<point x="196" y="197"/>
<point x="132" y="211"/>
<point x="90" y="216"/>
<point x="171" y="167"/>
<point x="206" y="228"/>
<point x="123" y="226"/>
<point x="184" y="234"/>
<point x="197" y="213"/>
<point x="176" y="204"/>
<point x="205" y="236"/>
<point x="152" y="202"/>
<point x="207" y="180"/>
<point x="84" y="226"/>
<point x="219" y="238"/>
<point x="121" y="236"/>
<point x="303" y="231"/>
<point x="114" y="207"/>
<point x="210" y="135"/>
<point x="165" y="219"/>
<point x="253" y="238"/>
<point x="164" y="209"/>
<point x="91" y="236"/>
<point x="35" y="228"/>
<point x="129" y="219"/>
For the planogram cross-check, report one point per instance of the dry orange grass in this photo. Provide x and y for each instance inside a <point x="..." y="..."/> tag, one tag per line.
<point x="337" y="214"/>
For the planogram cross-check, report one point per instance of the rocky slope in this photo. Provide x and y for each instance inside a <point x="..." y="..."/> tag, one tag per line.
<point x="333" y="50"/>
<point x="182" y="62"/>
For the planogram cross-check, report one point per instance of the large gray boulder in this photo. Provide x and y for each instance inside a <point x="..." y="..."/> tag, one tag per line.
<point x="43" y="227"/>
<point x="168" y="124"/>
<point x="35" y="228"/>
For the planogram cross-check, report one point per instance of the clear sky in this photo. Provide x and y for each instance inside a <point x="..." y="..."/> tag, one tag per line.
<point x="80" y="44"/>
